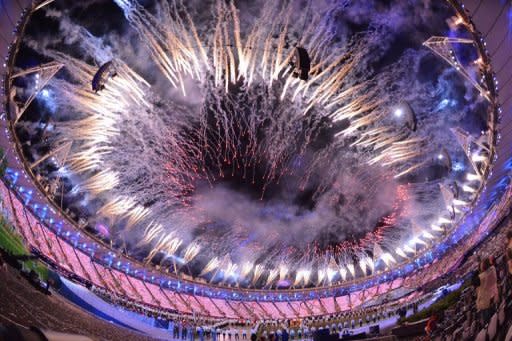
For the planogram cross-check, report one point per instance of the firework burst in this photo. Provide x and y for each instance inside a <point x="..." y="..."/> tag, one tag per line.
<point x="271" y="174"/>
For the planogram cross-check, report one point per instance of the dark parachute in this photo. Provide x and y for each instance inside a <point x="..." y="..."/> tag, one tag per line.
<point x="444" y="159"/>
<point x="104" y="73"/>
<point x="410" y="115"/>
<point x="301" y="63"/>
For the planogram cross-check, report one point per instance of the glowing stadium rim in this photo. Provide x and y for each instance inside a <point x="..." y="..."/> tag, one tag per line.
<point x="488" y="80"/>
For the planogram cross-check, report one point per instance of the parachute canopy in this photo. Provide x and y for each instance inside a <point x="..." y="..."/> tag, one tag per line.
<point x="410" y="115"/>
<point x="104" y="73"/>
<point x="301" y="63"/>
<point x="444" y="159"/>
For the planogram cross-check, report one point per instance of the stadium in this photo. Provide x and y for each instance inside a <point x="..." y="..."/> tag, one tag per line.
<point x="238" y="169"/>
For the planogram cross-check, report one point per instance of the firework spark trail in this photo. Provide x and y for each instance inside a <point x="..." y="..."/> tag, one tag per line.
<point x="103" y="116"/>
<point x="104" y="113"/>
<point x="250" y="92"/>
<point x="151" y="231"/>
<point x="95" y="132"/>
<point x="170" y="42"/>
<point x="168" y="243"/>
<point x="231" y="64"/>
<point x="210" y="266"/>
<point x="191" y="251"/>
<point x="104" y="180"/>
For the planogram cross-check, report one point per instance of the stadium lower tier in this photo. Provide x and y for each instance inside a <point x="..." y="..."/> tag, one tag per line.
<point x="70" y="260"/>
<point x="461" y="320"/>
<point x="354" y="312"/>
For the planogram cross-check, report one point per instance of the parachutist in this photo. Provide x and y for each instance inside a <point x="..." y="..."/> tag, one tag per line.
<point x="105" y="72"/>
<point x="301" y="64"/>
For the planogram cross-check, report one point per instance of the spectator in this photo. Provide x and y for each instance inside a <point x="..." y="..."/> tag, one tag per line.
<point x="509" y="239"/>
<point x="3" y="264"/>
<point x="509" y="261"/>
<point x="487" y="292"/>
<point x="200" y="333"/>
<point x="285" y="335"/>
<point x="475" y="279"/>
<point x="431" y="324"/>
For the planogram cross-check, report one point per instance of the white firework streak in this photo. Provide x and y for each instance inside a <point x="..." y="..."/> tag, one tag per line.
<point x="262" y="56"/>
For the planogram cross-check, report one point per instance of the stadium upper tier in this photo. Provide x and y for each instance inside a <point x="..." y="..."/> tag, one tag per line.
<point x="72" y="249"/>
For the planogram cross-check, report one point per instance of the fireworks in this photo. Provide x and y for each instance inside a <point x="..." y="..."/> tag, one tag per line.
<point x="212" y="265"/>
<point x="102" y="181"/>
<point x="324" y="156"/>
<point x="191" y="251"/>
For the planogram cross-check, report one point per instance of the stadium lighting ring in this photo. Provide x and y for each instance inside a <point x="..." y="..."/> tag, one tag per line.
<point x="254" y="62"/>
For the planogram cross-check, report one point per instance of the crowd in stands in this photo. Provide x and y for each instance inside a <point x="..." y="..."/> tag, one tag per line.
<point x="484" y="311"/>
<point x="185" y="328"/>
<point x="126" y="290"/>
<point x="132" y="305"/>
<point x="482" y="307"/>
<point x="21" y="304"/>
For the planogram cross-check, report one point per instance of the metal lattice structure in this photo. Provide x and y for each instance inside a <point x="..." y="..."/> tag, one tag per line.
<point x="44" y="73"/>
<point x="466" y="141"/>
<point x="443" y="47"/>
